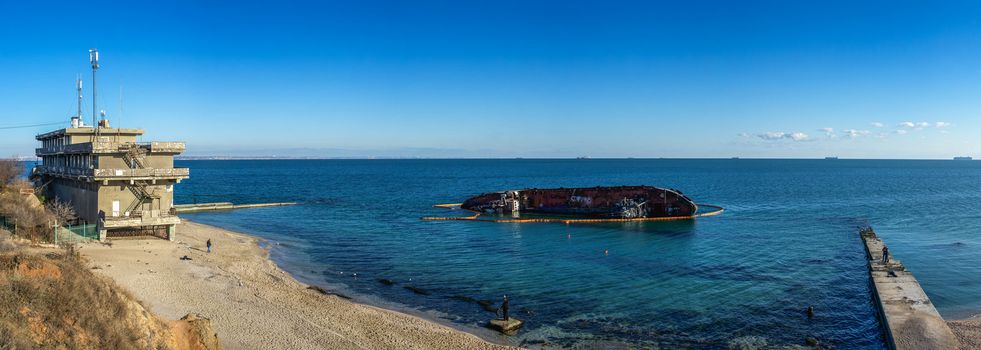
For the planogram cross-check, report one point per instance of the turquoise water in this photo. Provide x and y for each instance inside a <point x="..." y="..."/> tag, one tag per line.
<point x="787" y="240"/>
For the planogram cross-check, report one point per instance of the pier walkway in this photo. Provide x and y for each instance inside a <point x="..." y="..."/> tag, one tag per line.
<point x="188" y="208"/>
<point x="909" y="318"/>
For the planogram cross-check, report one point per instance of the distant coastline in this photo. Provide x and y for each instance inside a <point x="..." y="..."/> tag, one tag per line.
<point x="518" y="158"/>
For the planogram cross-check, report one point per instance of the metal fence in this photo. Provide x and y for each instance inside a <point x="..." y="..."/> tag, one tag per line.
<point x="60" y="234"/>
<point x="76" y="233"/>
<point x="8" y="225"/>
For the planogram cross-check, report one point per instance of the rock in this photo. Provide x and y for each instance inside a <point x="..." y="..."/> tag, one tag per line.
<point x="462" y="297"/>
<point x="194" y="331"/>
<point x="417" y="290"/>
<point x="509" y="326"/>
<point x="487" y="305"/>
<point x="812" y="341"/>
<point x="747" y="343"/>
<point x="386" y="281"/>
<point x="320" y="290"/>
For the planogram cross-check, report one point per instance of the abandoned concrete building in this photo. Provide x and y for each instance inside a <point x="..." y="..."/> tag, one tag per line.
<point x="123" y="186"/>
<point x="111" y="179"/>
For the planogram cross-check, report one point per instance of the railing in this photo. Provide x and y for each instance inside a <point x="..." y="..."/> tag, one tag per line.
<point x="111" y="147"/>
<point x="79" y="148"/>
<point x="166" y="172"/>
<point x="63" y="171"/>
<point x="114" y="173"/>
<point x="162" y="146"/>
<point x="140" y="220"/>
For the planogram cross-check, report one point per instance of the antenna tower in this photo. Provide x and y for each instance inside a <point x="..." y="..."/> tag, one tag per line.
<point x="94" y="59"/>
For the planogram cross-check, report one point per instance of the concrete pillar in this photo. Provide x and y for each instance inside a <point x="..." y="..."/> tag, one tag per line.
<point x="171" y="232"/>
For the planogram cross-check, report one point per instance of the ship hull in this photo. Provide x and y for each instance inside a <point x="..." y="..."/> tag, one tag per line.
<point x="594" y="202"/>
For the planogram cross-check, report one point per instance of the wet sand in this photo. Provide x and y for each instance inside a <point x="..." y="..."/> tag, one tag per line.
<point x="252" y="303"/>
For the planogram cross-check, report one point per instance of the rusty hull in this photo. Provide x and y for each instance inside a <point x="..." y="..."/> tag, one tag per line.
<point x="592" y="202"/>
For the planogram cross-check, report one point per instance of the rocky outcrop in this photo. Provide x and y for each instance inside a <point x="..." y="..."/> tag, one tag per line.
<point x="194" y="332"/>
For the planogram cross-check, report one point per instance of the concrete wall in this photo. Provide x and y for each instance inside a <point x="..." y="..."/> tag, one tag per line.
<point x="118" y="161"/>
<point x="119" y="191"/>
<point x="82" y="196"/>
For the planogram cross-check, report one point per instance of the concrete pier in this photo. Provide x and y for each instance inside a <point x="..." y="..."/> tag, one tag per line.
<point x="187" y="208"/>
<point x="909" y="318"/>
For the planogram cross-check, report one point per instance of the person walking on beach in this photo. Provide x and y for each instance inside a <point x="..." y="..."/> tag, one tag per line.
<point x="209" y="245"/>
<point x="885" y="255"/>
<point x="504" y="308"/>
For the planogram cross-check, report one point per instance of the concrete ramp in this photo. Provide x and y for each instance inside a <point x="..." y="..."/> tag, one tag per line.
<point x="910" y="319"/>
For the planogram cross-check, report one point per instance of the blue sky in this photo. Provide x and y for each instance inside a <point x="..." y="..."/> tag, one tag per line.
<point x="507" y="78"/>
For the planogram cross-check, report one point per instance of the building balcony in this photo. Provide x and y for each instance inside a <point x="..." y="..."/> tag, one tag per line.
<point x="114" y="174"/>
<point x="146" y="219"/>
<point x="110" y="148"/>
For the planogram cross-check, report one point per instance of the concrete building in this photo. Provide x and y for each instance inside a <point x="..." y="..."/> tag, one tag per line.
<point x="124" y="186"/>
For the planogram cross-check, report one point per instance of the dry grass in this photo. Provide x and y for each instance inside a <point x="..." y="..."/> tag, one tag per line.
<point x="54" y="302"/>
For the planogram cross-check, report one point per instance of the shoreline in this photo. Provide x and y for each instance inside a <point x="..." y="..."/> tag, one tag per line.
<point x="253" y="303"/>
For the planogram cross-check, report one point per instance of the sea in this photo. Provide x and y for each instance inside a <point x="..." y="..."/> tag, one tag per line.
<point x="788" y="240"/>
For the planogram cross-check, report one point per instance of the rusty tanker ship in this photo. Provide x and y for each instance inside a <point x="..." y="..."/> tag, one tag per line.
<point x="622" y="202"/>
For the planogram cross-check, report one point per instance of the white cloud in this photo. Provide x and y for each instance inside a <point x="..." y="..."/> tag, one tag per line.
<point x="877" y="125"/>
<point x="829" y="132"/>
<point x="912" y="125"/>
<point x="901" y="132"/>
<point x="772" y="136"/>
<point x="742" y="134"/>
<point x="798" y="136"/>
<point x="852" y="133"/>
<point x="942" y="124"/>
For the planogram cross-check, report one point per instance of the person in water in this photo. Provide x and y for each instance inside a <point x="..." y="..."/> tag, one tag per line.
<point x="885" y="255"/>
<point x="209" y="245"/>
<point x="504" y="308"/>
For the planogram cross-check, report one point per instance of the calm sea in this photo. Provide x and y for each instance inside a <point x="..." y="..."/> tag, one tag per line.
<point x="788" y="240"/>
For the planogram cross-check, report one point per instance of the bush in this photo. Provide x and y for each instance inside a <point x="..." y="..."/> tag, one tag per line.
<point x="10" y="171"/>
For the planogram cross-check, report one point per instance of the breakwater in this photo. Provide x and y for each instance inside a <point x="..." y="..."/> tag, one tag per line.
<point x="189" y="208"/>
<point x="910" y="319"/>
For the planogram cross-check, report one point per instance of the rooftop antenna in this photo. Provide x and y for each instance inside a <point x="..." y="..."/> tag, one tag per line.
<point x="78" y="84"/>
<point x="77" y="119"/>
<point x="94" y="59"/>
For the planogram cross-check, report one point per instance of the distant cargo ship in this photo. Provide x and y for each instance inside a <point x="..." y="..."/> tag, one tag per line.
<point x="963" y="158"/>
<point x="623" y="202"/>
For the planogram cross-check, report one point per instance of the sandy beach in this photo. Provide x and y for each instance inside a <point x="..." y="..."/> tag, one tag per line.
<point x="253" y="303"/>
<point x="968" y="332"/>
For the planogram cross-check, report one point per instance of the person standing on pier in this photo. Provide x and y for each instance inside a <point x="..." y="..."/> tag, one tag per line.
<point x="885" y="255"/>
<point x="504" y="308"/>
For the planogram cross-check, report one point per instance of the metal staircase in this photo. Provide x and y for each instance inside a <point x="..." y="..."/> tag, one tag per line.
<point x="135" y="156"/>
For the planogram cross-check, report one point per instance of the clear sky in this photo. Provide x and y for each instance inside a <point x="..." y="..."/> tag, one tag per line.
<point x="460" y="78"/>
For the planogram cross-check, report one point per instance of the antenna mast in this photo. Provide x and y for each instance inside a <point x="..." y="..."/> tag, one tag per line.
<point x="78" y="84"/>
<point x="77" y="118"/>
<point x="94" y="59"/>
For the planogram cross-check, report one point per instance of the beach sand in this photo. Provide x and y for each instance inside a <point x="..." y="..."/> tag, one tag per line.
<point x="968" y="332"/>
<point x="252" y="303"/>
